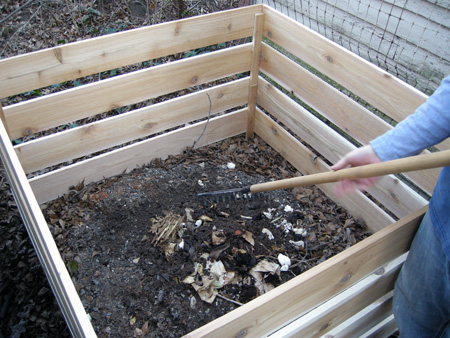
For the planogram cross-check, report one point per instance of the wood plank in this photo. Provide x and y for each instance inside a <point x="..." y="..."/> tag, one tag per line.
<point x="384" y="329"/>
<point x="56" y="183"/>
<point x="359" y="205"/>
<point x="254" y="73"/>
<point x="77" y="142"/>
<point x="345" y="113"/>
<point x="390" y="95"/>
<point x="43" y="243"/>
<point x="387" y="93"/>
<point x="346" y="304"/>
<point x="66" y="62"/>
<point x="365" y="320"/>
<point x="2" y="117"/>
<point x="302" y="293"/>
<point x="80" y="102"/>
<point x="392" y="193"/>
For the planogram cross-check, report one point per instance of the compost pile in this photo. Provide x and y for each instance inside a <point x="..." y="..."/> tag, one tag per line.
<point x="149" y="259"/>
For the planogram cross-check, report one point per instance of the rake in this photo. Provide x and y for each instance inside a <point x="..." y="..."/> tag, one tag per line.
<point x="407" y="164"/>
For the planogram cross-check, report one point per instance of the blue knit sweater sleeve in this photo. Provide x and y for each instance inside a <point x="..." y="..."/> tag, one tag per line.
<point x="429" y="125"/>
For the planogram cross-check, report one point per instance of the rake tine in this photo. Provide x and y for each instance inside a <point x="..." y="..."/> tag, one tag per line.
<point x="223" y="195"/>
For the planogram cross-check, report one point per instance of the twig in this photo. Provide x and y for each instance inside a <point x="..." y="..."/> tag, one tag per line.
<point x="206" y="125"/>
<point x="21" y="28"/>
<point x="188" y="152"/>
<point x="230" y="300"/>
<point x="17" y="10"/>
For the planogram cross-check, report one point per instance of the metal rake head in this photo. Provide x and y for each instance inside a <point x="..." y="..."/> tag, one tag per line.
<point x="225" y="196"/>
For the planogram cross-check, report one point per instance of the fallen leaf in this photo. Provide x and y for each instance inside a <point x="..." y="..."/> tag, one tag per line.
<point x="218" y="237"/>
<point x="206" y="218"/>
<point x="145" y="328"/>
<point x="248" y="236"/>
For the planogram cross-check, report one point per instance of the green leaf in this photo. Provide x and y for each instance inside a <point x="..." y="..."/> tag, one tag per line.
<point x="72" y="266"/>
<point x="94" y="11"/>
<point x="110" y="30"/>
<point x="190" y="53"/>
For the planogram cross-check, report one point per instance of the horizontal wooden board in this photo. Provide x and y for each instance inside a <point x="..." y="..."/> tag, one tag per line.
<point x="289" y="300"/>
<point x="307" y="163"/>
<point x="56" y="183"/>
<point x="363" y="295"/>
<point x="385" y="92"/>
<point x="365" y="320"/>
<point x="390" y="192"/>
<point x="80" y="102"/>
<point x="352" y="118"/>
<point x="347" y="114"/>
<point x="107" y="133"/>
<point x="54" y="65"/>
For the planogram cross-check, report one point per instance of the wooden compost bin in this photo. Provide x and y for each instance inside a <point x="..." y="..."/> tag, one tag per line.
<point x="347" y="295"/>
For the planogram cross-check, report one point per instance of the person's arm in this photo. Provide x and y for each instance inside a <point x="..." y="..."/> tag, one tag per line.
<point x="429" y="125"/>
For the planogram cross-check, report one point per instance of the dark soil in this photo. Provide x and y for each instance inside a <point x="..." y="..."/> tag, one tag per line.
<point x="139" y="243"/>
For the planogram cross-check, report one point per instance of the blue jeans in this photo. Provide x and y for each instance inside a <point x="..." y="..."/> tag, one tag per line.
<point x="422" y="291"/>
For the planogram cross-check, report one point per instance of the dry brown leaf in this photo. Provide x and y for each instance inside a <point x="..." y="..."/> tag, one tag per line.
<point x="218" y="237"/>
<point x="248" y="236"/>
<point x="145" y="328"/>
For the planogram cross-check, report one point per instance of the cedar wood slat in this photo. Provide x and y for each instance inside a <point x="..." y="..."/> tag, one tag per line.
<point x="363" y="321"/>
<point x="367" y="293"/>
<point x="305" y="161"/>
<point x="80" y="102"/>
<point x="43" y="243"/>
<point x="67" y="62"/>
<point x="51" y="185"/>
<point x="332" y="104"/>
<point x="254" y="73"/>
<point x="387" y="93"/>
<point x="390" y="95"/>
<point x="106" y="133"/>
<point x="392" y="193"/>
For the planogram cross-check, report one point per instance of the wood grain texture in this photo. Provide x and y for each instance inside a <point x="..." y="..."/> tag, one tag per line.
<point x="358" y="205"/>
<point x="254" y="73"/>
<point x="77" y="142"/>
<point x="80" y="102"/>
<point x="67" y="62"/>
<point x="392" y="193"/>
<point x="56" y="183"/>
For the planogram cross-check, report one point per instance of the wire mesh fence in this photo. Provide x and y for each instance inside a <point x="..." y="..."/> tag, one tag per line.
<point x="408" y="38"/>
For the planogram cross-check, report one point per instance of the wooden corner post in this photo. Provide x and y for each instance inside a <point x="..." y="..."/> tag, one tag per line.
<point x="3" y="118"/>
<point x="254" y="72"/>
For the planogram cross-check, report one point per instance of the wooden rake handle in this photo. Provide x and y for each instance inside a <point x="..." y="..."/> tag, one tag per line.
<point x="419" y="162"/>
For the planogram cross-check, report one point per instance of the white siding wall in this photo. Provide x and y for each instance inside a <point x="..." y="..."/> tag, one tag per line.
<point x="408" y="38"/>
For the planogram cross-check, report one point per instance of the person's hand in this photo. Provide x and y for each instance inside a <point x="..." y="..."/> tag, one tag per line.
<point x="361" y="156"/>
